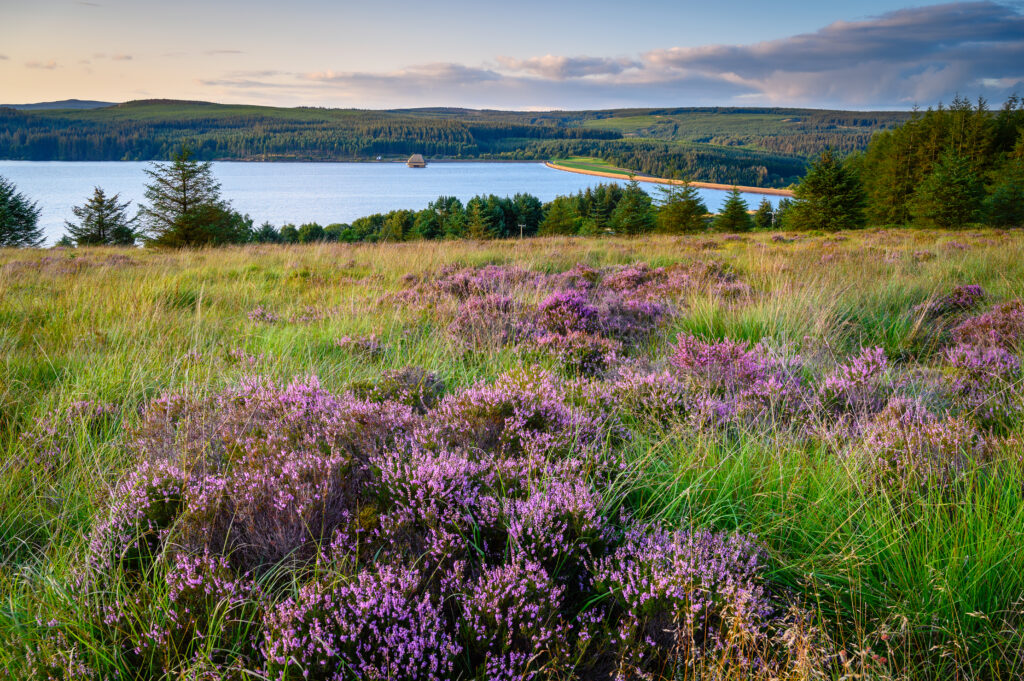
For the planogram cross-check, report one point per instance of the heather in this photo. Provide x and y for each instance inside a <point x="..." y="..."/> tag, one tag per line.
<point x="682" y="457"/>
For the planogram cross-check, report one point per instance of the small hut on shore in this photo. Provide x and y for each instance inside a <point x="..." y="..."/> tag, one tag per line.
<point x="416" y="161"/>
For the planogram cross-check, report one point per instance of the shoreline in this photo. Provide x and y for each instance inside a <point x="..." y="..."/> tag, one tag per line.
<point x="661" y="180"/>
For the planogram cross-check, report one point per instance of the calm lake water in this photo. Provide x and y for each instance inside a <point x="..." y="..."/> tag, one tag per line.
<point x="309" y="192"/>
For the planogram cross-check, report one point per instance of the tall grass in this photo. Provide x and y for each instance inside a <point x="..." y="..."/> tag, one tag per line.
<point x="933" y="581"/>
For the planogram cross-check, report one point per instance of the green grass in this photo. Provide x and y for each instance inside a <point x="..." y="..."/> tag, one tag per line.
<point x="932" y="581"/>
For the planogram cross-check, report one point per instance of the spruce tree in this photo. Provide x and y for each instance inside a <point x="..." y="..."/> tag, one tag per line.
<point x="185" y="207"/>
<point x="680" y="209"/>
<point x="634" y="213"/>
<point x="734" y="216"/>
<point x="19" y="218"/>
<point x="102" y="221"/>
<point x="765" y="216"/>
<point x="950" y="196"/>
<point x="829" y="198"/>
<point x="560" y="217"/>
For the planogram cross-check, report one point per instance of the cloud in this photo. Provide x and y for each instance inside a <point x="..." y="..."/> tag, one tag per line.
<point x="211" y="53"/>
<point x="49" y="66"/>
<point x="919" y="55"/>
<point x="560" y="68"/>
<point x="122" y="57"/>
<point x="3" y="57"/>
<point x="87" y="4"/>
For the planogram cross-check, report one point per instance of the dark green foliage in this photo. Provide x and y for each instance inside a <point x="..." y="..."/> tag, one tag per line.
<point x="829" y="198"/>
<point x="734" y="216"/>
<point x="310" y="232"/>
<point x="333" y="231"/>
<point x="560" y="217"/>
<point x="899" y="162"/>
<point x="634" y="213"/>
<point x="266" y="234"/>
<point x="185" y="208"/>
<point x="19" y="218"/>
<point x="208" y="224"/>
<point x="1004" y="206"/>
<point x="289" y="234"/>
<point x="680" y="209"/>
<point x="397" y="225"/>
<point x="949" y="196"/>
<point x="765" y="216"/>
<point x="102" y="221"/>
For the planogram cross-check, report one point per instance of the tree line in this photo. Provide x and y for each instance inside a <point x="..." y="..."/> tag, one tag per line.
<point x="948" y="167"/>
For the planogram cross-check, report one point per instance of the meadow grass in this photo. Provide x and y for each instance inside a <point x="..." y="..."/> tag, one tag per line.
<point x="907" y="583"/>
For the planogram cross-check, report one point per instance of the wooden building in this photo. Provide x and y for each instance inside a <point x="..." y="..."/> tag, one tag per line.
<point x="416" y="161"/>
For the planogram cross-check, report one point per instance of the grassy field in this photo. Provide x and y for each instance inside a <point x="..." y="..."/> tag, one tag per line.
<point x="595" y="164"/>
<point x="812" y="443"/>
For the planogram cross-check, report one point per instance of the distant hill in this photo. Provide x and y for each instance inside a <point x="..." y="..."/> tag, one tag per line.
<point x="62" y="104"/>
<point x="762" y="147"/>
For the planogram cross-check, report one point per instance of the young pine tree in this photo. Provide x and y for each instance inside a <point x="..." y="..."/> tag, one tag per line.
<point x="19" y="218"/>
<point x="185" y="207"/>
<point x="680" y="209"/>
<point x="829" y="198"/>
<point x="734" y="216"/>
<point x="765" y="216"/>
<point x="950" y="196"/>
<point x="634" y="213"/>
<point x="102" y="221"/>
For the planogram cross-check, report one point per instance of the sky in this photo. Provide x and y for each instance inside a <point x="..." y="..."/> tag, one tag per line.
<point x="524" y="55"/>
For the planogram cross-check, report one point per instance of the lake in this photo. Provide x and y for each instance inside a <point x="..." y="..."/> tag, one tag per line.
<point x="310" y="192"/>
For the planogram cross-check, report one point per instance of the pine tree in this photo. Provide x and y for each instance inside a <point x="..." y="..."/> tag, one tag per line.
<point x="764" y="217"/>
<point x="185" y="207"/>
<point x="560" y="217"/>
<point x="829" y="198"/>
<point x="950" y="196"/>
<point x="634" y="213"/>
<point x="734" y="216"/>
<point x="1004" y="205"/>
<point x="681" y="209"/>
<point x="19" y="218"/>
<point x="102" y="221"/>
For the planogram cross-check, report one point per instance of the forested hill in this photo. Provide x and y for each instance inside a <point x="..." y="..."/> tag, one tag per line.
<point x="759" y="147"/>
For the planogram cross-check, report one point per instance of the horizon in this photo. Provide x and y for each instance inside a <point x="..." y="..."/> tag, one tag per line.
<point x="882" y="56"/>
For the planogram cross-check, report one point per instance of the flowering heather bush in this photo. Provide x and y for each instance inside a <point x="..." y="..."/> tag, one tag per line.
<point x="858" y="387"/>
<point x="658" y="396"/>
<point x="144" y="506"/>
<point x="271" y="470"/>
<point x="577" y="352"/>
<point x="379" y="625"/>
<point x="681" y="595"/>
<point x="567" y="312"/>
<point x="726" y="377"/>
<point x="488" y="321"/>
<point x="557" y="526"/>
<point x="961" y="299"/>
<point x="1002" y="327"/>
<point x="465" y="282"/>
<point x="907" y="442"/>
<point x="262" y="315"/>
<point x="630" y="320"/>
<point x="410" y="386"/>
<point x="368" y="346"/>
<point x="985" y="381"/>
<point x="519" y="414"/>
<point x="511" y="625"/>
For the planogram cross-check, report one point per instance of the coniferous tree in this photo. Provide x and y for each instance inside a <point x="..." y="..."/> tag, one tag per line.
<point x="950" y="196"/>
<point x="102" y="221"/>
<point x="19" y="218"/>
<point x="734" y="216"/>
<point x="829" y="198"/>
<point x="185" y="207"/>
<point x="680" y="209"/>
<point x="634" y="213"/>
<point x="267" y="234"/>
<point x="560" y="217"/>
<point x="765" y="216"/>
